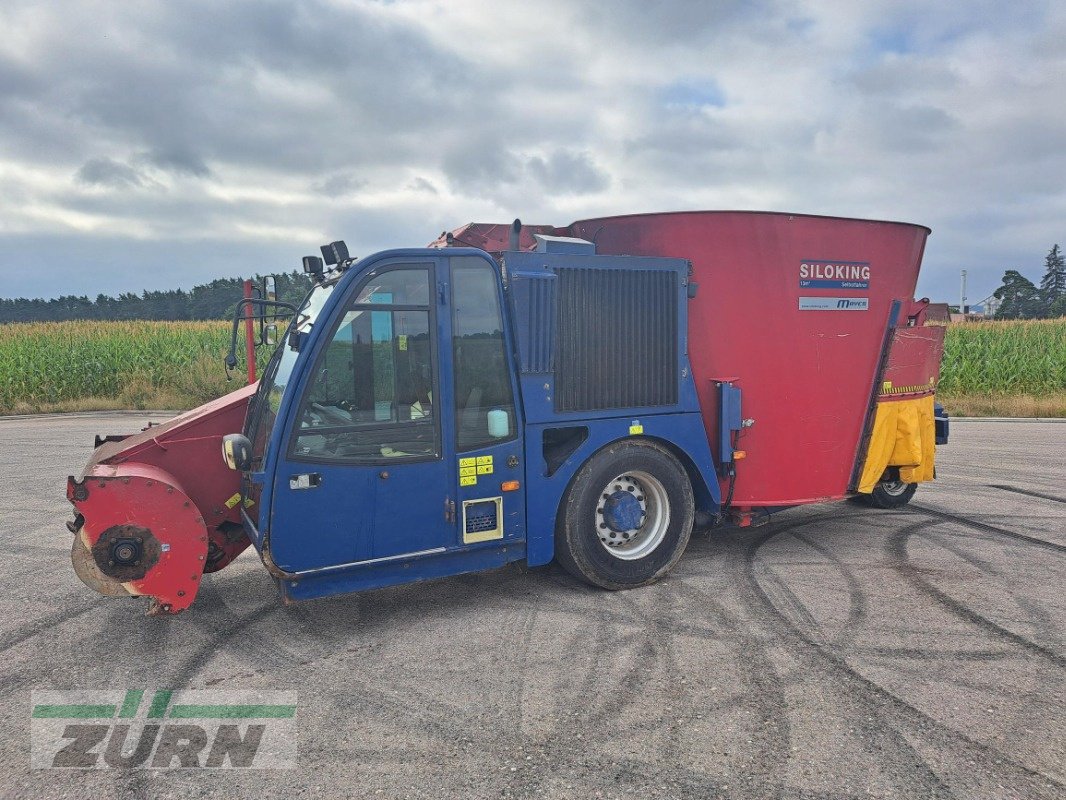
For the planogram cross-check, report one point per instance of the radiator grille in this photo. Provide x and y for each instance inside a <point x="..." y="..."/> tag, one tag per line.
<point x="616" y="343"/>
<point x="533" y="298"/>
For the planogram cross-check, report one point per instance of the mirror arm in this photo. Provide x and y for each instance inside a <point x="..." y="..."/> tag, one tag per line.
<point x="238" y="318"/>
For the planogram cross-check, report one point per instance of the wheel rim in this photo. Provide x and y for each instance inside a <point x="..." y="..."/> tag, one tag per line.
<point x="632" y="515"/>
<point x="894" y="488"/>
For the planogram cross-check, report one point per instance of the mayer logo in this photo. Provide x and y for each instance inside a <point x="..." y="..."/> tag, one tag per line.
<point x="822" y="274"/>
<point x="203" y="729"/>
<point x="834" y="303"/>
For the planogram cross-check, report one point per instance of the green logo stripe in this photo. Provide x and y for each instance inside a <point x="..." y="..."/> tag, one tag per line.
<point x="131" y="703"/>
<point x="82" y="712"/>
<point x="232" y="712"/>
<point x="160" y="701"/>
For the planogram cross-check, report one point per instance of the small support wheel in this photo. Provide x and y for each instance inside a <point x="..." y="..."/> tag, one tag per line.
<point x="627" y="516"/>
<point x="890" y="492"/>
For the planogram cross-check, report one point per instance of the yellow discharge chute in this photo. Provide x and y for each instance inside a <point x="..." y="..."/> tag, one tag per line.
<point x="904" y="436"/>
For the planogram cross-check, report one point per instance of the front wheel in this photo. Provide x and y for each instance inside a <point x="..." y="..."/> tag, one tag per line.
<point x="627" y="516"/>
<point x="890" y="492"/>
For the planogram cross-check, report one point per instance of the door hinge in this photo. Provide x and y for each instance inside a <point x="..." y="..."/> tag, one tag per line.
<point x="449" y="511"/>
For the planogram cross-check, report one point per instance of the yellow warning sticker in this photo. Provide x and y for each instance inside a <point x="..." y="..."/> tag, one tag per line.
<point x="484" y="469"/>
<point x="402" y="341"/>
<point x="484" y="460"/>
<point x="233" y="501"/>
<point x="467" y="462"/>
<point x="636" y="429"/>
<point x="468" y="480"/>
<point x="464" y="471"/>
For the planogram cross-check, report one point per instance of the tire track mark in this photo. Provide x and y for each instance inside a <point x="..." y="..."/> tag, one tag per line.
<point x="1027" y="492"/>
<point x="873" y="693"/>
<point x="856" y="596"/>
<point x="897" y="547"/>
<point x="44" y="624"/>
<point x="985" y="527"/>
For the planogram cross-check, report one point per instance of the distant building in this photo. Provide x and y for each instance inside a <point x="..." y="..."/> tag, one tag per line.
<point x="985" y="310"/>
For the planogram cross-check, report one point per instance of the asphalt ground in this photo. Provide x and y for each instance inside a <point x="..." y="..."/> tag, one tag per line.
<point x="835" y="652"/>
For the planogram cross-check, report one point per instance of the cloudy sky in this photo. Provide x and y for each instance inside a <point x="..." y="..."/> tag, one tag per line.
<point x="160" y="144"/>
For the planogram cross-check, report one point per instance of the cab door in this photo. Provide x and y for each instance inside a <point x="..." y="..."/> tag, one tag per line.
<point x="488" y="447"/>
<point x="368" y="471"/>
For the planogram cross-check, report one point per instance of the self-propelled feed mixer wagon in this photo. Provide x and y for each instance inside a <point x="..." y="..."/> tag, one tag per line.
<point x="527" y="393"/>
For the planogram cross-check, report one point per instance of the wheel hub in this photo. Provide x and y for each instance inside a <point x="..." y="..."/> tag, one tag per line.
<point x="632" y="515"/>
<point x="126" y="552"/>
<point x="622" y="511"/>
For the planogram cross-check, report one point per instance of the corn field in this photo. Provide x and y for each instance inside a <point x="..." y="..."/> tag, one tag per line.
<point x="1016" y="357"/>
<point x="139" y="364"/>
<point x="48" y="363"/>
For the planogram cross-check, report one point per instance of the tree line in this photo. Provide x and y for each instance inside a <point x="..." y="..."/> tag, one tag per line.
<point x="214" y="300"/>
<point x="1020" y="298"/>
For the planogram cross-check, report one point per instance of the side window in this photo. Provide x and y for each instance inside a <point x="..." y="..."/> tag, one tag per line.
<point x="372" y="395"/>
<point x="484" y="402"/>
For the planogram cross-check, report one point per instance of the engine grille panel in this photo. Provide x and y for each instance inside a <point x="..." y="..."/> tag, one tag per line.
<point x="616" y="343"/>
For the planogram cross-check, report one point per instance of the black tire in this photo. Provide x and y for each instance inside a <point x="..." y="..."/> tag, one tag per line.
<point x="658" y="483"/>
<point x="890" y="492"/>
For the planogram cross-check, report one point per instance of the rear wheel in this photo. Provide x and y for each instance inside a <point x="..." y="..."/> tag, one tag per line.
<point x="626" y="518"/>
<point x="890" y="492"/>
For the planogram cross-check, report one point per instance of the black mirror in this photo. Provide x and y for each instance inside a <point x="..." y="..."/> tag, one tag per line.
<point x="237" y="451"/>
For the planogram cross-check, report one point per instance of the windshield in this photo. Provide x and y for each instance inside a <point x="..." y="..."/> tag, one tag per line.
<point x="264" y="409"/>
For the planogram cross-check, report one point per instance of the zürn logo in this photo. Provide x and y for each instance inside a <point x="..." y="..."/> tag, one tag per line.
<point x="191" y="729"/>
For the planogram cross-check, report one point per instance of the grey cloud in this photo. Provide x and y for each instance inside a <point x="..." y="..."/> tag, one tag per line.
<point x="297" y="86"/>
<point x="569" y="173"/>
<point x="674" y="22"/>
<point x="480" y="165"/>
<point x="909" y="128"/>
<point x="178" y="160"/>
<point x="420" y="184"/>
<point x="327" y="99"/>
<point x="15" y="80"/>
<point x="905" y="75"/>
<point x="340" y="184"/>
<point x="108" y="172"/>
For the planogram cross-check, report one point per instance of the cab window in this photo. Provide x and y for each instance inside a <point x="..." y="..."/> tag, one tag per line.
<point x="372" y="398"/>
<point x="484" y="400"/>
